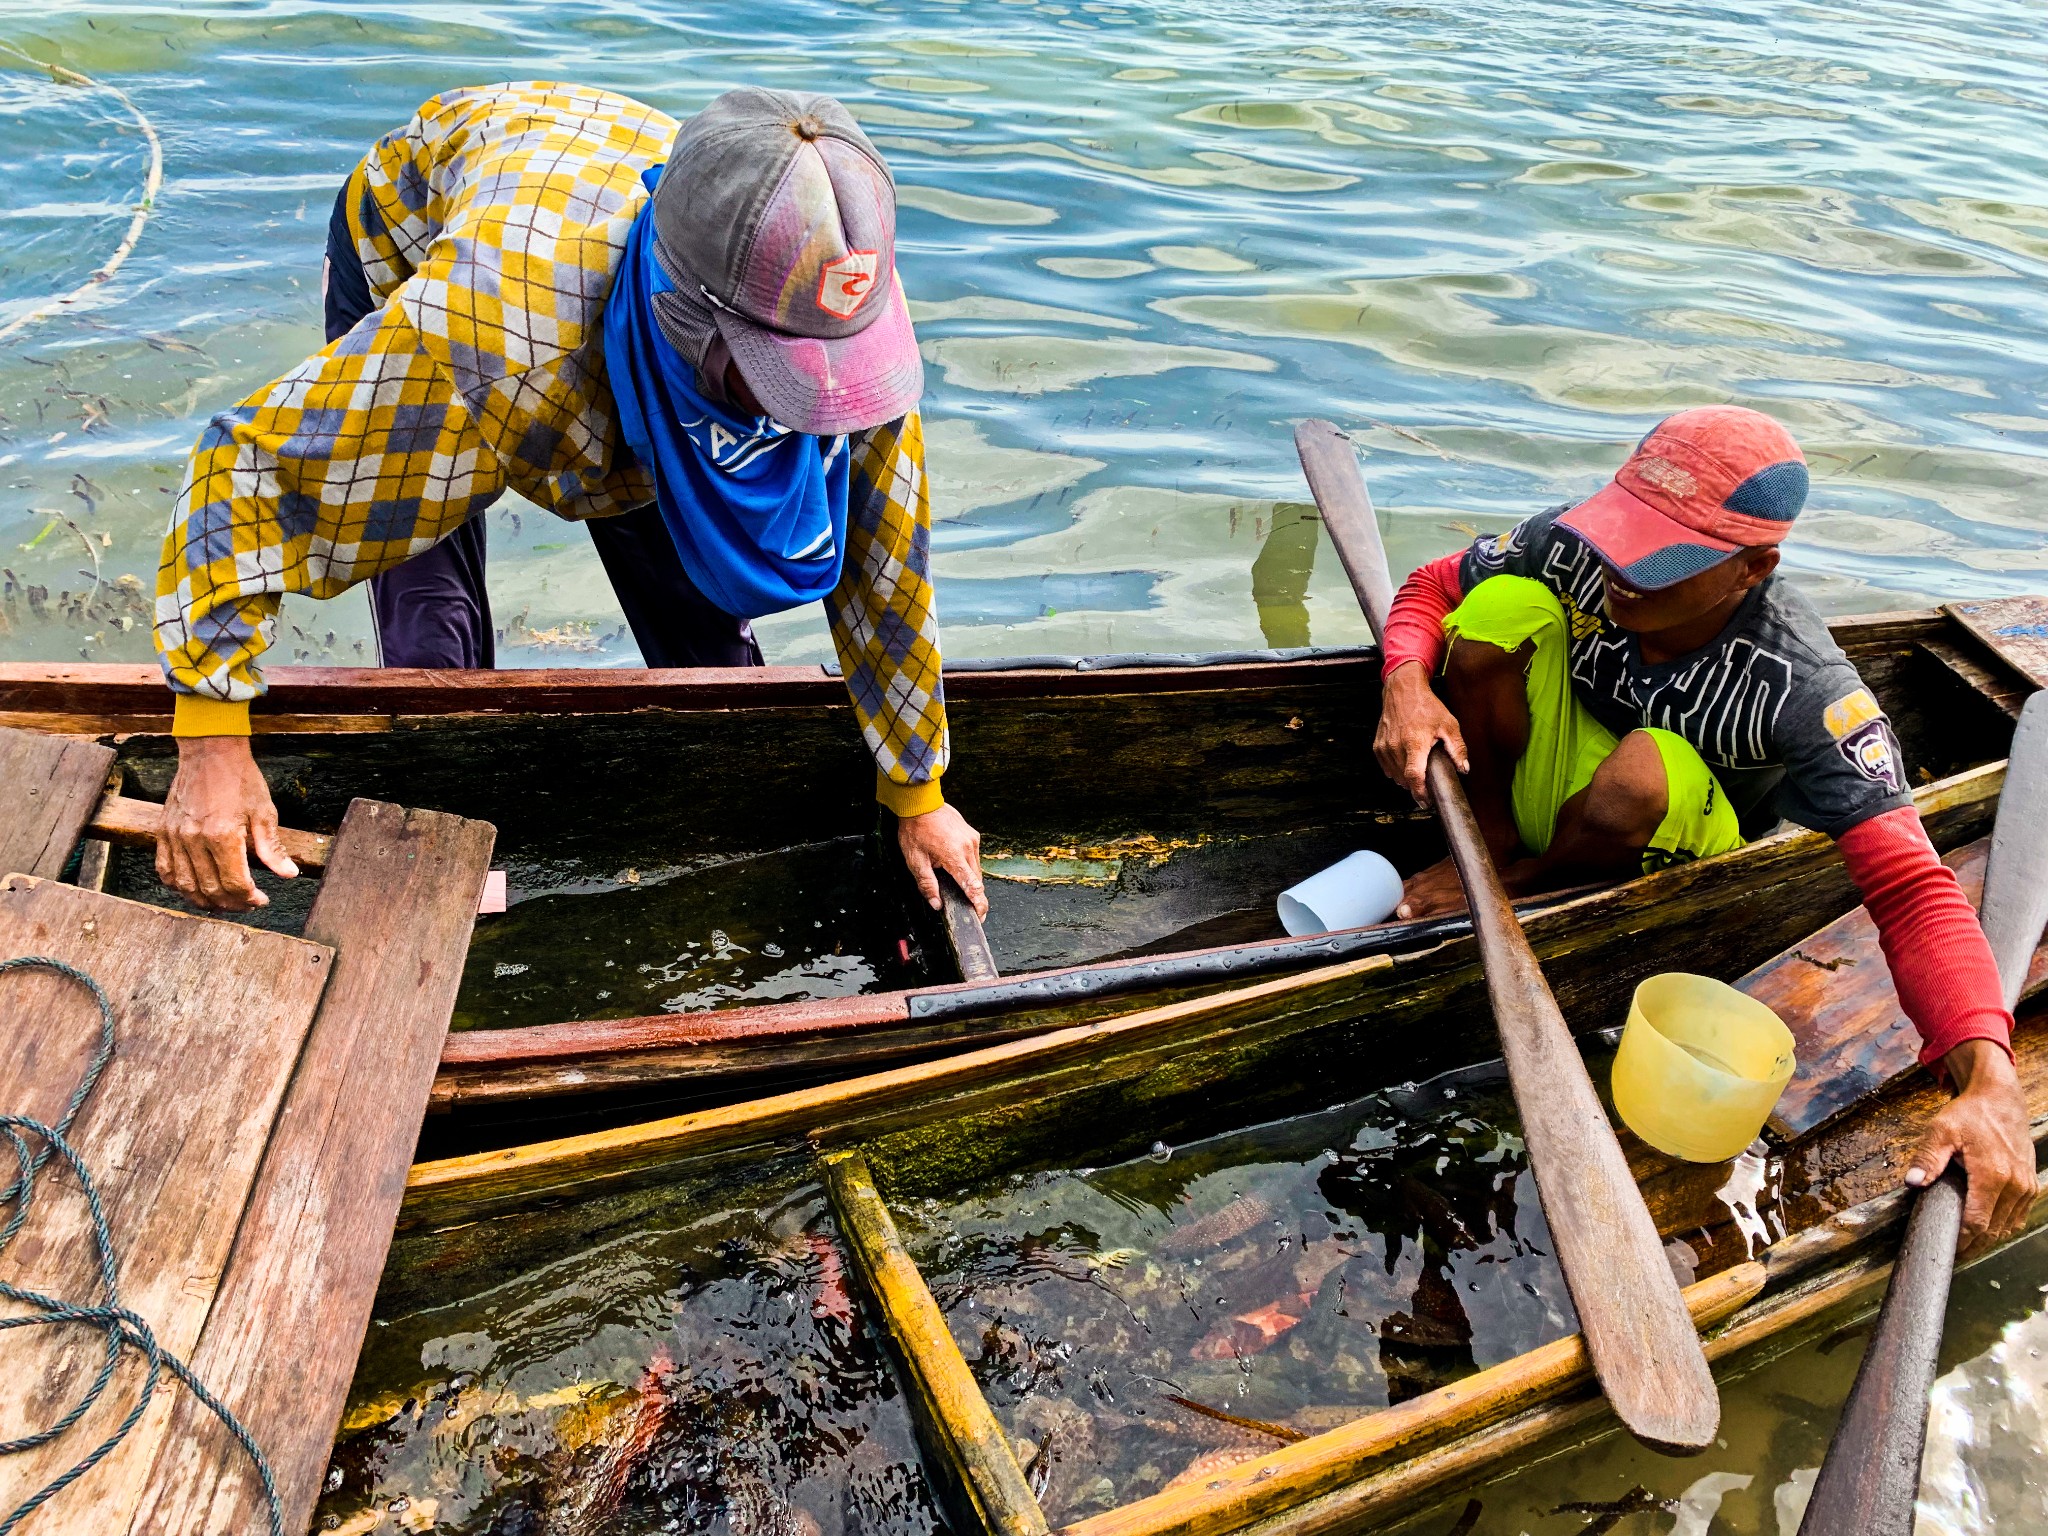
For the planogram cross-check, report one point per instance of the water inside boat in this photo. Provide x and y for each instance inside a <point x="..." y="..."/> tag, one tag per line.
<point x="1296" y="1275"/>
<point x="697" y="1356"/>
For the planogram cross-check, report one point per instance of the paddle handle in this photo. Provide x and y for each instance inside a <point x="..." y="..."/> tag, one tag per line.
<point x="1644" y="1349"/>
<point x="1871" y="1476"/>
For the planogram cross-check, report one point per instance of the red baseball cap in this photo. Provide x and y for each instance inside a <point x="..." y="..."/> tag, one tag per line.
<point x="1701" y="485"/>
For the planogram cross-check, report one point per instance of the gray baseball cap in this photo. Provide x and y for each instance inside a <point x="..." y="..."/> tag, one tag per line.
<point x="782" y="215"/>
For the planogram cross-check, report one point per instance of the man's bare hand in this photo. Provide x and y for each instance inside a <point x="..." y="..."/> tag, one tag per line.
<point x="1986" y="1126"/>
<point x="218" y="809"/>
<point x="1412" y="721"/>
<point x="942" y="838"/>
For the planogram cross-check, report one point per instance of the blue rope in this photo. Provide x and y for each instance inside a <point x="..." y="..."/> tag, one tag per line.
<point x="123" y="1329"/>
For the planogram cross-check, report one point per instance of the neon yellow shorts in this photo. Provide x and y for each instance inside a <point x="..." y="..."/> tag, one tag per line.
<point x="1566" y="744"/>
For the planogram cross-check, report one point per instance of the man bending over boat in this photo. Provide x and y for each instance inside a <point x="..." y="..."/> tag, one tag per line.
<point x="1628" y="684"/>
<point x="693" y="338"/>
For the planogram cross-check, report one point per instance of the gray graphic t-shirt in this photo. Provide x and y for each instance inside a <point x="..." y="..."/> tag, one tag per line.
<point x="1772" y="705"/>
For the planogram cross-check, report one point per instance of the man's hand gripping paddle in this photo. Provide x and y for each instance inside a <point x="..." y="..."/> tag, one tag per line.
<point x="1645" y="1351"/>
<point x="1871" y="1476"/>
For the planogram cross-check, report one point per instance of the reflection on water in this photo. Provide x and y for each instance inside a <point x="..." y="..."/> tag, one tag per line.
<point x="1296" y="1276"/>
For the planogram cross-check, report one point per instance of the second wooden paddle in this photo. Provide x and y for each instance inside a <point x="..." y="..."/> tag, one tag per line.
<point x="1645" y="1351"/>
<point x="1871" y="1476"/>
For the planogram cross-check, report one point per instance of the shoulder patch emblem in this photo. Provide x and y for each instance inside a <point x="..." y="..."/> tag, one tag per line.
<point x="1873" y="751"/>
<point x="1850" y="712"/>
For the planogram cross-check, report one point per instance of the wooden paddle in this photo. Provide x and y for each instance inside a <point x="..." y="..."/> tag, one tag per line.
<point x="1645" y="1351"/>
<point x="1871" y="1476"/>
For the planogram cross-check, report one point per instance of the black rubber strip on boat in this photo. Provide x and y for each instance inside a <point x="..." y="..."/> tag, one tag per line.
<point x="1052" y="987"/>
<point x="1144" y="659"/>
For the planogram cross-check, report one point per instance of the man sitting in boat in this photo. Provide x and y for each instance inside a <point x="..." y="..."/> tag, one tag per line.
<point x="693" y="338"/>
<point x="1631" y="684"/>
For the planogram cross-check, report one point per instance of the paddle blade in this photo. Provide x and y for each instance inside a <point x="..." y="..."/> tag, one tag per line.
<point x="2016" y="880"/>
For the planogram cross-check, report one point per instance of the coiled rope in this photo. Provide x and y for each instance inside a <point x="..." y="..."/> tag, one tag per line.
<point x="151" y="184"/>
<point x="123" y="1329"/>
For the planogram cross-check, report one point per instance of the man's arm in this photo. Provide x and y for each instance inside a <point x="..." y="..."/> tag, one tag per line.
<point x="310" y="485"/>
<point x="1948" y="984"/>
<point x="886" y="630"/>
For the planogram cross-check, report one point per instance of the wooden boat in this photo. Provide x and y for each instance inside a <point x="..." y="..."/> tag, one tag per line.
<point x="1139" y="815"/>
<point x="1808" y="1245"/>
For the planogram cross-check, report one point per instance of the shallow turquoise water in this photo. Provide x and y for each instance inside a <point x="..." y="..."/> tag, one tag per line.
<point x="1142" y="242"/>
<point x="1494" y="242"/>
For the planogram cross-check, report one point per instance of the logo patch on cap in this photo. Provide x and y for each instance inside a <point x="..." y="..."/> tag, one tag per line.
<point x="844" y="284"/>
<point x="1667" y="476"/>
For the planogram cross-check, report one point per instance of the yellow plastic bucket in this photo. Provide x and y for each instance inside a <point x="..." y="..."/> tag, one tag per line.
<point x="1700" y="1067"/>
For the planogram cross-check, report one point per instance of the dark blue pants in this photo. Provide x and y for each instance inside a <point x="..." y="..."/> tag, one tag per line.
<point x="434" y="611"/>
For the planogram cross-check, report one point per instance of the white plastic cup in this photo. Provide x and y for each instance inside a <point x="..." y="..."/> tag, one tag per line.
<point x="1352" y="893"/>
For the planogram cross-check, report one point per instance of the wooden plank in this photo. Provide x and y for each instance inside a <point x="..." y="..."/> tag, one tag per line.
<point x="1251" y="1490"/>
<point x="113" y="689"/>
<point x="96" y="854"/>
<point x="972" y="956"/>
<point x="2002" y="687"/>
<point x="48" y="787"/>
<point x="138" y="824"/>
<point x="397" y="904"/>
<point x="950" y="1408"/>
<point x="2014" y="627"/>
<point x="462" y="1188"/>
<point x="210" y="1017"/>
<point x="1834" y="992"/>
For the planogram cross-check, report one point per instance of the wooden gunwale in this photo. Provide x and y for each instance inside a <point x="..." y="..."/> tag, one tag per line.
<point x="951" y="1412"/>
<point x="124" y="698"/>
<point x="481" y="1182"/>
<point x="586" y="1055"/>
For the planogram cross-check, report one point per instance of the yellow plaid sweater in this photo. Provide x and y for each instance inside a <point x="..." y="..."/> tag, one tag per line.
<point x="489" y="226"/>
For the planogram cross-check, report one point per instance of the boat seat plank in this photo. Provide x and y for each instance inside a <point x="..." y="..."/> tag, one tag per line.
<point x="50" y="788"/>
<point x="210" y="1017"/>
<point x="2014" y="627"/>
<point x="397" y="903"/>
<point x="1834" y="992"/>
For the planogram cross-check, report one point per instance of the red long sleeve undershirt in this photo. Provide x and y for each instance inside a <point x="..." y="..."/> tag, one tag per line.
<point x="1941" y="966"/>
<point x="1415" y="624"/>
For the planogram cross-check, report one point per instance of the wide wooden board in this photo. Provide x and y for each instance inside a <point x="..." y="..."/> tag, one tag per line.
<point x="48" y="788"/>
<point x="2015" y="627"/>
<point x="210" y="1016"/>
<point x="397" y="904"/>
<point x="1834" y="992"/>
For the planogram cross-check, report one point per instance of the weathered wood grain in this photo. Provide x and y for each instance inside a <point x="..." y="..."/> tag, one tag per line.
<point x="1834" y="991"/>
<point x="48" y="787"/>
<point x="96" y="854"/>
<point x="952" y="1414"/>
<point x="139" y="823"/>
<point x="2014" y="627"/>
<point x="210" y="1018"/>
<point x="1643" y="1348"/>
<point x="397" y="904"/>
